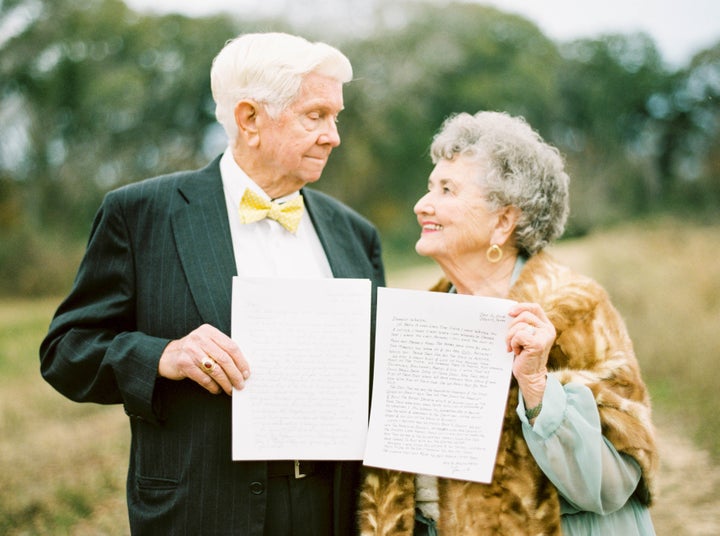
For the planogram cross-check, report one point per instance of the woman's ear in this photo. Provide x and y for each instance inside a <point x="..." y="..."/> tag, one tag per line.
<point x="246" y="115"/>
<point x="507" y="218"/>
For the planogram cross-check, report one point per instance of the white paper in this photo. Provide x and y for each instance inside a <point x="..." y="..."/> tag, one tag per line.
<point x="308" y="346"/>
<point x="442" y="374"/>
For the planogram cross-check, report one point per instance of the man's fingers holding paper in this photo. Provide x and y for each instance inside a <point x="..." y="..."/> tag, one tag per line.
<point x="208" y="357"/>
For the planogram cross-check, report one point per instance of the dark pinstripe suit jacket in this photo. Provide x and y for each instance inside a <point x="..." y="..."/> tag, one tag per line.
<point x="159" y="264"/>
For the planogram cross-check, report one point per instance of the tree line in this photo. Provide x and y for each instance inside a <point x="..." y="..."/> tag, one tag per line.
<point x="94" y="95"/>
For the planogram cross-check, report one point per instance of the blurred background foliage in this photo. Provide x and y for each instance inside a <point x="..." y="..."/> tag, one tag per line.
<point x="94" y="95"/>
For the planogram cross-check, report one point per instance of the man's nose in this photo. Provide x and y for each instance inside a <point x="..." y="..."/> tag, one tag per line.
<point x="330" y="134"/>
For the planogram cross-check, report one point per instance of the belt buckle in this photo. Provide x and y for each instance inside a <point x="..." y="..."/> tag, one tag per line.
<point x="298" y="474"/>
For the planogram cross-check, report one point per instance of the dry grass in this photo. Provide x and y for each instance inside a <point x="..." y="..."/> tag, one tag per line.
<point x="665" y="279"/>
<point x="62" y="465"/>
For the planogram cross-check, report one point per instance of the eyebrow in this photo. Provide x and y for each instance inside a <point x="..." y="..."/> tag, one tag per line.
<point x="441" y="182"/>
<point x="319" y="104"/>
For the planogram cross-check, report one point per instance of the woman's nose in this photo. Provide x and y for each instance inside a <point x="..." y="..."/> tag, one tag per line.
<point x="423" y="205"/>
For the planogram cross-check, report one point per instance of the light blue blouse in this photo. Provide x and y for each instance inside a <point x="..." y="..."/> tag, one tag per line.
<point x="595" y="481"/>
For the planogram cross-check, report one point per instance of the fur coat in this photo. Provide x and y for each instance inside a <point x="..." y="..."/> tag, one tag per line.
<point x="592" y="348"/>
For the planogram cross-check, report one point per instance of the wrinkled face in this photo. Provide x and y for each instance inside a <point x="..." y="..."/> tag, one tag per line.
<point x="295" y="147"/>
<point x="453" y="214"/>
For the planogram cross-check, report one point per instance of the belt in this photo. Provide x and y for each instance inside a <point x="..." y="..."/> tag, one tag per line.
<point x="295" y="468"/>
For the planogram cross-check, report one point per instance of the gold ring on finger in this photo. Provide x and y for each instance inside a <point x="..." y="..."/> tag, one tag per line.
<point x="208" y="364"/>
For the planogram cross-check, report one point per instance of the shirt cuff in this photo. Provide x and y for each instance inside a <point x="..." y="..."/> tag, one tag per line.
<point x="554" y="405"/>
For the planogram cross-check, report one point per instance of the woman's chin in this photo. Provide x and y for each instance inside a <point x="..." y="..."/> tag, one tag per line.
<point x="422" y="249"/>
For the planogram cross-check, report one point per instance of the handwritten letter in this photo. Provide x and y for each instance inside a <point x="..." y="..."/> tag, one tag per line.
<point x="441" y="380"/>
<point x="308" y="346"/>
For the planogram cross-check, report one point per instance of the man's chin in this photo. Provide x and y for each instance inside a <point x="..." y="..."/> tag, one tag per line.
<point x="311" y="178"/>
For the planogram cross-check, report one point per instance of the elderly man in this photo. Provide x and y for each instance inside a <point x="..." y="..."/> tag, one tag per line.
<point x="147" y="321"/>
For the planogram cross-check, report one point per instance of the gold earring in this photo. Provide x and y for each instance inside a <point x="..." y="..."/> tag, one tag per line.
<point x="494" y="253"/>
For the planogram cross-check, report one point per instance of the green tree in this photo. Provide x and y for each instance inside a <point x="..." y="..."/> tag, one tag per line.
<point x="609" y="132"/>
<point x="95" y="96"/>
<point x="102" y="96"/>
<point x="689" y="142"/>
<point x="442" y="60"/>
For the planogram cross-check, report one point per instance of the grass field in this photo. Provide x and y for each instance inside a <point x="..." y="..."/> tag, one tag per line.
<point x="62" y="464"/>
<point x="665" y="279"/>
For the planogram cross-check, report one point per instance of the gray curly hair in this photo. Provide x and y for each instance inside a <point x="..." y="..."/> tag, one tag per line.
<point x="525" y="172"/>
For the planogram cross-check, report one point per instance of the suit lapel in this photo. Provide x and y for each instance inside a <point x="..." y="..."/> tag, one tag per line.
<point x="333" y="234"/>
<point x="202" y="236"/>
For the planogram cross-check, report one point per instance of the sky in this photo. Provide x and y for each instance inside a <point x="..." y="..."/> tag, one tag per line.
<point x="680" y="28"/>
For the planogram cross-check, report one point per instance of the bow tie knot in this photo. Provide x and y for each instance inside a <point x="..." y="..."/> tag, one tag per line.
<point x="254" y="208"/>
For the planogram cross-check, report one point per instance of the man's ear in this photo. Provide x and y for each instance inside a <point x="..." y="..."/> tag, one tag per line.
<point x="246" y="115"/>
<point x="507" y="218"/>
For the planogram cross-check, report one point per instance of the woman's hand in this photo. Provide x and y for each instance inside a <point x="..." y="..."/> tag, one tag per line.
<point x="530" y="337"/>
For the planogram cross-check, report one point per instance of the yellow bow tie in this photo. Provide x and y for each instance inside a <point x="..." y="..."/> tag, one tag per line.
<point x="254" y="208"/>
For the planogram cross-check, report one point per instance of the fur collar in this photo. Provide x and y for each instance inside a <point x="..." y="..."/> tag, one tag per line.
<point x="593" y="348"/>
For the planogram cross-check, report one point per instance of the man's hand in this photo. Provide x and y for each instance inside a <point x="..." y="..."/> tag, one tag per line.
<point x="208" y="357"/>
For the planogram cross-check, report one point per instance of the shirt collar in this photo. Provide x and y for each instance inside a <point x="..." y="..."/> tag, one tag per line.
<point x="235" y="180"/>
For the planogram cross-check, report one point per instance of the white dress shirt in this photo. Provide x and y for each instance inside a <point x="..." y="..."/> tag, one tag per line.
<point x="265" y="248"/>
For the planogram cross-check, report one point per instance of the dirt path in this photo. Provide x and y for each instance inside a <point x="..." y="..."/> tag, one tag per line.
<point x="688" y="491"/>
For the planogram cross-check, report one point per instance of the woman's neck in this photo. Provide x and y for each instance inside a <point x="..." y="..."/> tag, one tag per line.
<point x="481" y="277"/>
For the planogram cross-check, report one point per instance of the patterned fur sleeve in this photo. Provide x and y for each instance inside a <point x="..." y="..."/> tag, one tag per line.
<point x="593" y="348"/>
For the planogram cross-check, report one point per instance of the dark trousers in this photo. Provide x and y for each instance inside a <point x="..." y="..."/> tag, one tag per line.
<point x="300" y="506"/>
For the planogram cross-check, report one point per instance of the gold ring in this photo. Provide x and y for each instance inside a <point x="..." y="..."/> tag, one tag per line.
<point x="208" y="365"/>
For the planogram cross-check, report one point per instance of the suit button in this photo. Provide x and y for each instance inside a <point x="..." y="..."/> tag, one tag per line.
<point x="256" y="488"/>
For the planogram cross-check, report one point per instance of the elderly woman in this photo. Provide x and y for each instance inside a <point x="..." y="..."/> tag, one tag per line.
<point x="577" y="452"/>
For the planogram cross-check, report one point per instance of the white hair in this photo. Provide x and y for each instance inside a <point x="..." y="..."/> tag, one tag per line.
<point x="269" y="68"/>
